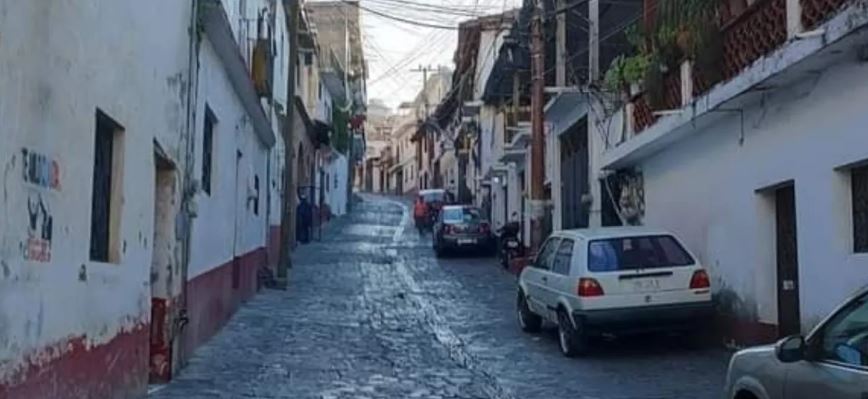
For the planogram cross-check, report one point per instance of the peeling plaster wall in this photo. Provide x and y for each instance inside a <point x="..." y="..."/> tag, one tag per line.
<point x="226" y="225"/>
<point x="60" y="61"/>
<point x="704" y="189"/>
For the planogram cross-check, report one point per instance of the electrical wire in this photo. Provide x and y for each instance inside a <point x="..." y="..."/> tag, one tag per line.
<point x="399" y="19"/>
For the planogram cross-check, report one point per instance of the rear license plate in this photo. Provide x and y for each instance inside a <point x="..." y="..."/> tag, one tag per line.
<point x="512" y="244"/>
<point x="649" y="284"/>
<point x="467" y="241"/>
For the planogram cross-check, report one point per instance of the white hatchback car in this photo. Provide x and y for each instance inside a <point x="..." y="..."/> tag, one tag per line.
<point x="613" y="280"/>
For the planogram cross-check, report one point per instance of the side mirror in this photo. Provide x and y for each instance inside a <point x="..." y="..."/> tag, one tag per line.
<point x="790" y="349"/>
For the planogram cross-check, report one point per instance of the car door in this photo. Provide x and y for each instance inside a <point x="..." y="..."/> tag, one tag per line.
<point x="560" y="283"/>
<point x="536" y="277"/>
<point x="839" y="368"/>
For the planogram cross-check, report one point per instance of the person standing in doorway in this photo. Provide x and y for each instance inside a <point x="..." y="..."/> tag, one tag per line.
<point x="305" y="220"/>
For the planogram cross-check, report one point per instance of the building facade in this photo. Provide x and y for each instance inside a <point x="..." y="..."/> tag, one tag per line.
<point x="148" y="219"/>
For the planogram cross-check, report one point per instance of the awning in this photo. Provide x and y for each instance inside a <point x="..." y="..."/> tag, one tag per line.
<point x="565" y="110"/>
<point x="520" y="139"/>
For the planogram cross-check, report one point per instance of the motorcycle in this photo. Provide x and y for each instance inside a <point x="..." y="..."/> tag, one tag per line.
<point x="510" y="244"/>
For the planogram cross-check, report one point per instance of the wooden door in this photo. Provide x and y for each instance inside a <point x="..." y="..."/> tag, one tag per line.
<point x="789" y="321"/>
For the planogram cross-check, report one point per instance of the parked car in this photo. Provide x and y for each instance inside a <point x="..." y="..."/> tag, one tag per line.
<point x="832" y="362"/>
<point x="618" y="280"/>
<point x="461" y="227"/>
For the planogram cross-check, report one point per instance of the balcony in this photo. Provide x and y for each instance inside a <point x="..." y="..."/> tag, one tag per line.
<point x="516" y="119"/>
<point x="262" y="67"/>
<point x="759" y="47"/>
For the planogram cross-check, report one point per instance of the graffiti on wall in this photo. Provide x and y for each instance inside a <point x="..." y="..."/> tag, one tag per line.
<point x="41" y="170"/>
<point x="40" y="230"/>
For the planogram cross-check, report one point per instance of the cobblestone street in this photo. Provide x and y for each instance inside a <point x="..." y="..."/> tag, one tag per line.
<point x="370" y="313"/>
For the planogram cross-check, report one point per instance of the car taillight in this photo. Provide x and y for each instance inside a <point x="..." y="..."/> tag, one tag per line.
<point x="700" y="280"/>
<point x="589" y="287"/>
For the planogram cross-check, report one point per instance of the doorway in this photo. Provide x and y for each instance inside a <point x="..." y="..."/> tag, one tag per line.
<point x="786" y="253"/>
<point x="165" y="272"/>
<point x="575" y="168"/>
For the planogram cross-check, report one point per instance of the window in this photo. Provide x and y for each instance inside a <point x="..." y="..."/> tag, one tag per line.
<point x="633" y="253"/>
<point x="844" y="339"/>
<point x="544" y="259"/>
<point x="563" y="259"/>
<point x="208" y="150"/>
<point x="462" y="215"/>
<point x="336" y="182"/>
<point x="256" y="200"/>
<point x="859" y="186"/>
<point x="107" y="190"/>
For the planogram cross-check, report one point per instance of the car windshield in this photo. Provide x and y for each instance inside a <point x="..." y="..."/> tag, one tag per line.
<point x="634" y="253"/>
<point x="461" y="215"/>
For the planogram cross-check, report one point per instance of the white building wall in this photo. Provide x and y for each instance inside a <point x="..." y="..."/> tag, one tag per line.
<point x="215" y="239"/>
<point x="60" y="62"/>
<point x="705" y="190"/>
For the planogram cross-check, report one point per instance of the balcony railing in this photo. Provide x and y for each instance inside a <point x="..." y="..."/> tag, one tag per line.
<point x="753" y="34"/>
<point x="747" y="37"/>
<point x="815" y="12"/>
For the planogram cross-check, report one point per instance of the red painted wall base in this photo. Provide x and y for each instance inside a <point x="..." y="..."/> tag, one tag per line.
<point x="213" y="297"/>
<point x="118" y="369"/>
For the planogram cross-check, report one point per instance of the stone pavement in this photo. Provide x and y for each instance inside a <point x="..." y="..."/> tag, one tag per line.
<point x="370" y="313"/>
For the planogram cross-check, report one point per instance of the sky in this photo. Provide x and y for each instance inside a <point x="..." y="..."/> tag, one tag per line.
<point x="394" y="48"/>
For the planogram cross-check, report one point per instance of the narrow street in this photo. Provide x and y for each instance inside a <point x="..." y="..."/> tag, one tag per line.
<point x="370" y="313"/>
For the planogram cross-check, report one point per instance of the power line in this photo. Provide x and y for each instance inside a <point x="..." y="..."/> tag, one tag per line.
<point x="399" y="19"/>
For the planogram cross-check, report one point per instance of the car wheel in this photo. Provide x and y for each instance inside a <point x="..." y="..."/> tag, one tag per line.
<point x="572" y="340"/>
<point x="504" y="260"/>
<point x="528" y="321"/>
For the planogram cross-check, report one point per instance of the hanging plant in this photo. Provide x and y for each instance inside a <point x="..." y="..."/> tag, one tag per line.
<point x="614" y="78"/>
<point x="625" y="71"/>
<point x="634" y="68"/>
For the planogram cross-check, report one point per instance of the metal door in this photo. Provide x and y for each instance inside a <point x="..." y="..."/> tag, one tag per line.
<point x="574" y="176"/>
<point x="789" y="321"/>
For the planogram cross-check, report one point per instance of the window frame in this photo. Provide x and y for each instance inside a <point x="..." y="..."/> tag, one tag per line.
<point x="815" y="340"/>
<point x="536" y="262"/>
<point x="859" y="208"/>
<point x="207" y="172"/>
<point x="569" y="264"/>
<point x="109" y="251"/>
<point x="674" y="239"/>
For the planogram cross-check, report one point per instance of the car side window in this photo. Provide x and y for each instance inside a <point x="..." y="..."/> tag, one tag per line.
<point x="544" y="259"/>
<point x="845" y="336"/>
<point x="563" y="258"/>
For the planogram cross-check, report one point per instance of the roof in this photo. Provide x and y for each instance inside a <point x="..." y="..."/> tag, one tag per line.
<point x="432" y="191"/>
<point x="611" y="232"/>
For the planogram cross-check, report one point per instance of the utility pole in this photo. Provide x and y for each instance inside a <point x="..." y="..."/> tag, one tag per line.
<point x="561" y="47"/>
<point x="593" y="77"/>
<point x="537" y="193"/>
<point x="284" y="263"/>
<point x="423" y="145"/>
<point x="594" y="40"/>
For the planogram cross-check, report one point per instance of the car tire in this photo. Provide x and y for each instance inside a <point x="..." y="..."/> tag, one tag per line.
<point x="571" y="339"/>
<point x="527" y="320"/>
